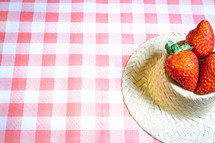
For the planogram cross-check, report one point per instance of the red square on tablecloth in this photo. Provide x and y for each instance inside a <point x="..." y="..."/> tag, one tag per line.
<point x="0" y="58"/>
<point x="102" y="1"/>
<point x="21" y="60"/>
<point x="19" y="83"/>
<point x="196" y="2"/>
<point x="173" y="2"/>
<point x="73" y="136"/>
<point x="126" y="18"/>
<point x="46" y="83"/>
<point x="102" y="84"/>
<point x="50" y="38"/>
<point x="75" y="59"/>
<point x="77" y="1"/>
<point x="44" y="109"/>
<point x="102" y="38"/>
<point x="53" y="1"/>
<point x="24" y="37"/>
<point x="125" y="1"/>
<point x="102" y="109"/>
<point x="16" y="109"/>
<point x="102" y="135"/>
<point x="151" y="18"/>
<point x="3" y="15"/>
<point x="48" y="60"/>
<point x="28" y="0"/>
<point x="125" y="59"/>
<point x="26" y="16"/>
<point x="43" y="136"/>
<point x="149" y="1"/>
<point x="73" y="109"/>
<point x="127" y="38"/>
<point x="102" y="60"/>
<point x="77" y="17"/>
<point x="76" y="38"/>
<point x="74" y="83"/>
<point x="101" y="18"/>
<point x="131" y="136"/>
<point x="175" y="18"/>
<point x="12" y="136"/>
<point x="52" y="17"/>
<point x="2" y="36"/>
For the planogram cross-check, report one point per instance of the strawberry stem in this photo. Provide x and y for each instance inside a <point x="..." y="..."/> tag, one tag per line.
<point x="175" y="48"/>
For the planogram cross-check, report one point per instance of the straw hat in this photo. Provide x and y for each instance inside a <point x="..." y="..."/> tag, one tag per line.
<point x="158" y="104"/>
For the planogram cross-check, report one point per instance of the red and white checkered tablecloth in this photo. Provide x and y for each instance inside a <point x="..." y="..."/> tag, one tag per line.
<point x="61" y="63"/>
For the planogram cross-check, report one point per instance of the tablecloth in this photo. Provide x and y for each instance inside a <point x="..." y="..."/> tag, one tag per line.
<point x="61" y="64"/>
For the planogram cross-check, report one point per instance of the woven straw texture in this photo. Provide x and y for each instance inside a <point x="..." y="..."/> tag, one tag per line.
<point x="160" y="106"/>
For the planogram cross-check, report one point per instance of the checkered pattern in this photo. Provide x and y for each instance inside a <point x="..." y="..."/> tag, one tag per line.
<point x="61" y="64"/>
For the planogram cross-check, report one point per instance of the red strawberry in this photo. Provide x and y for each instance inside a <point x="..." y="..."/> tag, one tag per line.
<point x="182" y="65"/>
<point x="201" y="39"/>
<point x="207" y="76"/>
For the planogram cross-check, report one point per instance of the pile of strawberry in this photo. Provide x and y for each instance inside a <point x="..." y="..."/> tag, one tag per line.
<point x="182" y="63"/>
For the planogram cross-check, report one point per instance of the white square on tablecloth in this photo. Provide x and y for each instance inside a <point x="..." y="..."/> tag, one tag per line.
<point x="115" y="49"/>
<point x="89" y="7"/>
<point x="3" y="123"/>
<point x="87" y="96"/>
<point x="113" y="8"/>
<point x="65" y="7"/>
<point x="62" y="48"/>
<point x="114" y="28"/>
<point x="58" y="123"/>
<point x="187" y="27"/>
<point x="89" y="49"/>
<point x="87" y="123"/>
<point x="12" y="27"/>
<point x="137" y="8"/>
<point x="209" y="9"/>
<point x="163" y="28"/>
<point x="139" y="28"/>
<point x="6" y="71"/>
<point x="36" y="48"/>
<point x="60" y="96"/>
<point x="9" y="48"/>
<point x="15" y="6"/>
<point x="31" y="96"/>
<point x="89" y="27"/>
<point x="40" y="7"/>
<point x="38" y="27"/>
<point x="63" y="27"/>
<point x="61" y="71"/>
<point x="34" y="71"/>
<point x="5" y="97"/>
<point x="115" y="72"/>
<point x="29" y="123"/>
<point x="185" y="9"/>
<point x="161" y="8"/>
<point x="115" y="97"/>
<point x="88" y="71"/>
<point x="116" y="123"/>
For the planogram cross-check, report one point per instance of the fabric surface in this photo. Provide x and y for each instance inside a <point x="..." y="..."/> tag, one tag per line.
<point x="61" y="64"/>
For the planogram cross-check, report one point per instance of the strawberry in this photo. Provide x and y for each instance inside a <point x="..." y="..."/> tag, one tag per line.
<point x="182" y="65"/>
<point x="201" y="39"/>
<point x="207" y="76"/>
